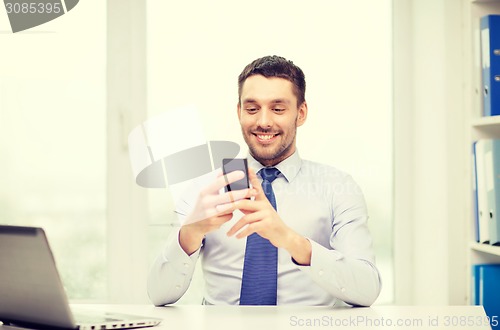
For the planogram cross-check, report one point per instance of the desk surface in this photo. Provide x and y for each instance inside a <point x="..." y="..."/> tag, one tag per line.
<point x="300" y="317"/>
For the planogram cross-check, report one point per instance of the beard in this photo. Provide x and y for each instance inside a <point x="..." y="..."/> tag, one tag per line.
<point x="270" y="155"/>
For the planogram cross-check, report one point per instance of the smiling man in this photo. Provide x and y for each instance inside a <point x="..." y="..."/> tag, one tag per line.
<point x="297" y="236"/>
<point x="269" y="114"/>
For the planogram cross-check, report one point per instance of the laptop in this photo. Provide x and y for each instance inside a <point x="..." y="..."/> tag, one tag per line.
<point x="31" y="291"/>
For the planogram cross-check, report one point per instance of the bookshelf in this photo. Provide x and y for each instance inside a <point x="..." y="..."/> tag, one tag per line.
<point x="478" y="127"/>
<point x="494" y="251"/>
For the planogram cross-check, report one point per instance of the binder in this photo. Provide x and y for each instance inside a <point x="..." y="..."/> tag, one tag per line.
<point x="486" y="289"/>
<point x="474" y="194"/>
<point x="475" y="285"/>
<point x="492" y="173"/>
<point x="490" y="63"/>
<point x="483" y="214"/>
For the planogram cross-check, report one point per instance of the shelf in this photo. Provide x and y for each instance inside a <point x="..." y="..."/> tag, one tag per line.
<point x="486" y="127"/>
<point x="486" y="248"/>
<point x="486" y="122"/>
<point x="485" y="1"/>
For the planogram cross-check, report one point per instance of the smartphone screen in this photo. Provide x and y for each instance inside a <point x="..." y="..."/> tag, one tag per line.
<point x="236" y="164"/>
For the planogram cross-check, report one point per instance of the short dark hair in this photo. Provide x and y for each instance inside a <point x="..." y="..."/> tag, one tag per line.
<point x="276" y="66"/>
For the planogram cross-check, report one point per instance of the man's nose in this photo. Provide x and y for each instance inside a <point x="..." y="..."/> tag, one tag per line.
<point x="265" y="119"/>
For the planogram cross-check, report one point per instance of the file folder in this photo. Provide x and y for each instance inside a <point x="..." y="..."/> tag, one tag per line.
<point x="492" y="172"/>
<point x="474" y="299"/>
<point x="483" y="213"/>
<point x="474" y="194"/>
<point x="486" y="290"/>
<point x="490" y="63"/>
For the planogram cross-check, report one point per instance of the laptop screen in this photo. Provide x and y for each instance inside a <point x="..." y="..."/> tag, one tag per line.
<point x="31" y="290"/>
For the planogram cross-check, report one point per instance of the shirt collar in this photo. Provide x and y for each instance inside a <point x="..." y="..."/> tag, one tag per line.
<point x="289" y="167"/>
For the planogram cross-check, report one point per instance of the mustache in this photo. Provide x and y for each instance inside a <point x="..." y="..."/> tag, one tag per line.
<point x="264" y="131"/>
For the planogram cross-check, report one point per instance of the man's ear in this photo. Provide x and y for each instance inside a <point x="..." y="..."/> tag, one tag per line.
<point x="238" y="109"/>
<point x="302" y="115"/>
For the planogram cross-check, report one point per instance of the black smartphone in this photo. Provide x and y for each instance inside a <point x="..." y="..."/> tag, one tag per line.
<point x="236" y="164"/>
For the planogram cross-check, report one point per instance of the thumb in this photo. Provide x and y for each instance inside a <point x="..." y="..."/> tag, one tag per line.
<point x="255" y="182"/>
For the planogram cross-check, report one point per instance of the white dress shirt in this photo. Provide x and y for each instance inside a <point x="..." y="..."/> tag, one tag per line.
<point x="319" y="202"/>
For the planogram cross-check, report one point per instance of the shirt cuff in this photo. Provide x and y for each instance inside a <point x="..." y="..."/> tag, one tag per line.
<point x="321" y="260"/>
<point x="173" y="253"/>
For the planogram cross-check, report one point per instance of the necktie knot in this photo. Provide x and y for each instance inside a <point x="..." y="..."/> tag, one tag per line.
<point x="269" y="173"/>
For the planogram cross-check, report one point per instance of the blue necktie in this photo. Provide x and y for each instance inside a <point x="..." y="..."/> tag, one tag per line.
<point x="260" y="269"/>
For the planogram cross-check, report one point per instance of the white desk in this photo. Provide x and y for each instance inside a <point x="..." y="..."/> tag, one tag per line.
<point x="292" y="317"/>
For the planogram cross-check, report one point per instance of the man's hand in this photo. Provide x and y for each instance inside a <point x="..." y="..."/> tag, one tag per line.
<point x="205" y="216"/>
<point x="261" y="218"/>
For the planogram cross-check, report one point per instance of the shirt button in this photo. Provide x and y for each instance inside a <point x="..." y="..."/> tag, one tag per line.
<point x="186" y="265"/>
<point x="342" y="289"/>
<point x="178" y="287"/>
<point x="321" y="272"/>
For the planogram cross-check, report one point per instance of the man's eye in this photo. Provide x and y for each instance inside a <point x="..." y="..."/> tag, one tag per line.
<point x="251" y="109"/>
<point x="278" y="109"/>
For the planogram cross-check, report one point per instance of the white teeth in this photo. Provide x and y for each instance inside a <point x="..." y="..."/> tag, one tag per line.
<point x="265" y="137"/>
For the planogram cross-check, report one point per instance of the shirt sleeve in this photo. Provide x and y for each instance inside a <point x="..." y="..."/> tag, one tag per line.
<point x="346" y="269"/>
<point x="171" y="273"/>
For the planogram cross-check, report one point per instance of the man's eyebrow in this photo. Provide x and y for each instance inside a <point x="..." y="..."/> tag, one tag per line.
<point x="249" y="101"/>
<point x="275" y="101"/>
<point x="280" y="101"/>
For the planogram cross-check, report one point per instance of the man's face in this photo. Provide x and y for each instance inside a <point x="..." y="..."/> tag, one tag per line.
<point x="269" y="117"/>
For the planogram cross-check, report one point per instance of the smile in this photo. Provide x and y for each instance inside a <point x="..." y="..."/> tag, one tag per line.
<point x="266" y="138"/>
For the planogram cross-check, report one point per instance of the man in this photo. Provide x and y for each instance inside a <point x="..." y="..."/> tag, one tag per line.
<point x="309" y="219"/>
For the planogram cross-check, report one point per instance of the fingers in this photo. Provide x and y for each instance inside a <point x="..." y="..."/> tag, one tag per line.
<point x="245" y="220"/>
<point x="209" y="198"/>
<point x="222" y="181"/>
<point x="244" y="205"/>
<point x="227" y="202"/>
<point x="249" y="230"/>
<point x="233" y="196"/>
<point x="212" y="204"/>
